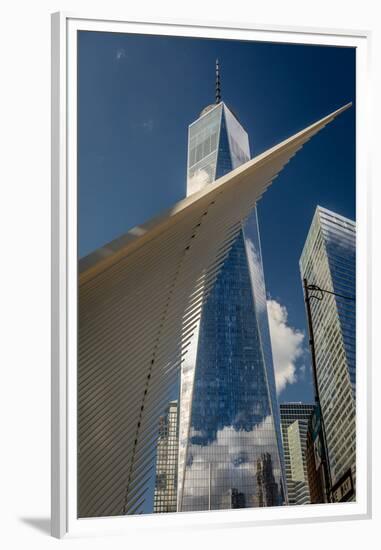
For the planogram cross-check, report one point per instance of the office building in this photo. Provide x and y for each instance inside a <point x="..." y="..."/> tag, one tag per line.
<point x="294" y="422"/>
<point x="165" y="497"/>
<point x="328" y="261"/>
<point x="230" y="442"/>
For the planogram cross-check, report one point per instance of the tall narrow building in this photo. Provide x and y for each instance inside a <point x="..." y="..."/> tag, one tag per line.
<point x="230" y="448"/>
<point x="294" y="420"/>
<point x="328" y="260"/>
<point x="165" y="496"/>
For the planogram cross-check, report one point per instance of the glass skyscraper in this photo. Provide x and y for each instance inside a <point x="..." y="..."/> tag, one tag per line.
<point x="328" y="260"/>
<point x="294" y="420"/>
<point x="230" y="448"/>
<point x="165" y="496"/>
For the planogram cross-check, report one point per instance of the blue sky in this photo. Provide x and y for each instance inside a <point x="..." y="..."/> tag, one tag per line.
<point x="137" y="96"/>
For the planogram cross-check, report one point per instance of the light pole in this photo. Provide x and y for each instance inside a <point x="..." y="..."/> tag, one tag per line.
<point x="318" y="295"/>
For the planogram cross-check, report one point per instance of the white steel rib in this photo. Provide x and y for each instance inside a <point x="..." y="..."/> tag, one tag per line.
<point x="140" y="298"/>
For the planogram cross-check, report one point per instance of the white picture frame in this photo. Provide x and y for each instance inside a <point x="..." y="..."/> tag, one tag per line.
<point x="64" y="276"/>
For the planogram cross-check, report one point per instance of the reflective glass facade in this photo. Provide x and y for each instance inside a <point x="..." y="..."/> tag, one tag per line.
<point x="165" y="496"/>
<point x="230" y="449"/>
<point x="294" y="421"/>
<point x="329" y="261"/>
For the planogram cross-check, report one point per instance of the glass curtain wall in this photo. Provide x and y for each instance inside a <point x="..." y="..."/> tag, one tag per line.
<point x="230" y="449"/>
<point x="329" y="261"/>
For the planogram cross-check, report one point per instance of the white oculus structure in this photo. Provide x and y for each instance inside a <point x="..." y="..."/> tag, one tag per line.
<point x="140" y="298"/>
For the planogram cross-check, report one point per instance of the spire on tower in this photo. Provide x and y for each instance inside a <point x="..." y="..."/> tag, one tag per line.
<point x="218" y="83"/>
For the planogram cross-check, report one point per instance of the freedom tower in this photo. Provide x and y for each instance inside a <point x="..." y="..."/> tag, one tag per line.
<point x="230" y="448"/>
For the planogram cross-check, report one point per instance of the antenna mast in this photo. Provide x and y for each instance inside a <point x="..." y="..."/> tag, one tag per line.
<point x="218" y="83"/>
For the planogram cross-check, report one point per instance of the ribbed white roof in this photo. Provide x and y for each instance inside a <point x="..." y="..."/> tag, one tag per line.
<point x="139" y="300"/>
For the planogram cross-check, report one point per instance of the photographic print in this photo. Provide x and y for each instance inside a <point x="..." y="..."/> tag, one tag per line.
<point x="216" y="274"/>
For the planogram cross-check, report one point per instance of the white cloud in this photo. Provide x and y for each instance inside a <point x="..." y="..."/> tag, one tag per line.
<point x="148" y="125"/>
<point x="256" y="270"/>
<point x="198" y="181"/>
<point x="302" y="372"/>
<point x="120" y="54"/>
<point x="287" y="345"/>
<point x="243" y="447"/>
